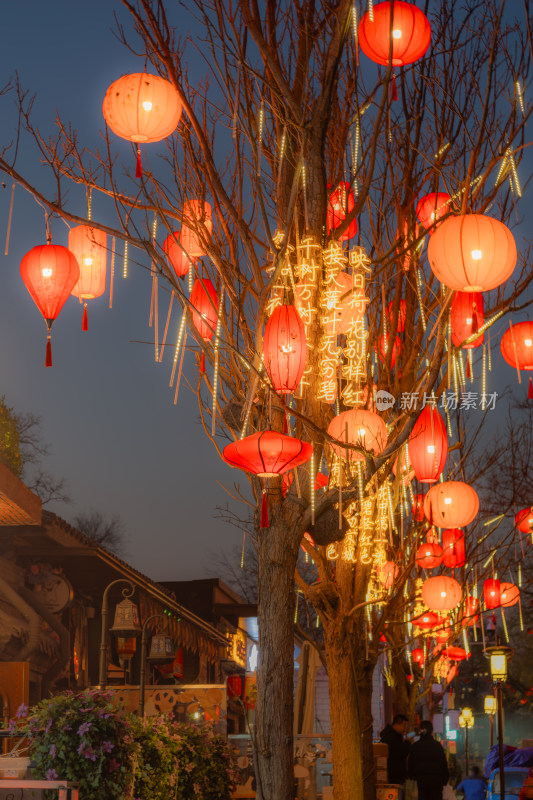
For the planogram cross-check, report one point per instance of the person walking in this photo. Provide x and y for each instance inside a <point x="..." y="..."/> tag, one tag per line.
<point x="474" y="786"/>
<point x="427" y="765"/>
<point x="394" y="736"/>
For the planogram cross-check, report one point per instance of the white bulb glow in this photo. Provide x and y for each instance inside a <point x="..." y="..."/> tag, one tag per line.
<point x="47" y="272"/>
<point x="431" y="448"/>
<point x="443" y="594"/>
<point x="88" y="262"/>
<point x="396" y="34"/>
<point x="147" y="105"/>
<point x="469" y="320"/>
<point x="476" y="255"/>
<point x="447" y="500"/>
<point x="362" y="432"/>
<point x="528" y="342"/>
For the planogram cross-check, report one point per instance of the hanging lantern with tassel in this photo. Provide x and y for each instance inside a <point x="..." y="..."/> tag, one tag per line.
<point x="451" y="504"/>
<point x="466" y="318"/>
<point x="517" y="348"/>
<point x="428" y="445"/>
<point x="431" y="208"/>
<point x="174" y="252"/>
<point x="285" y="348"/>
<point x="204" y="312"/>
<point x="89" y="245"/>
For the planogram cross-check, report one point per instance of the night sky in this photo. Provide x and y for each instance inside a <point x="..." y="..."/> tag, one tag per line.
<point x="106" y="407"/>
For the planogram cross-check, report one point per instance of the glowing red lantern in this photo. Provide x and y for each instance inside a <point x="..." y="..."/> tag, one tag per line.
<point x="402" y="315"/>
<point x="417" y="509"/>
<point x="431" y="208"/>
<point x="509" y="594"/>
<point x="429" y="555"/>
<point x="466" y="317"/>
<point x="451" y="504"/>
<point x="285" y="348"/>
<point x="50" y="273"/>
<point x="267" y="453"/>
<point x="472" y="253"/>
<point x="418" y="656"/>
<point x="341" y="202"/>
<point x="492" y="593"/>
<point x="517" y="348"/>
<point x="204" y="307"/>
<point x="89" y="245"/>
<point x="453" y="548"/>
<point x="386" y="573"/>
<point x="197" y="227"/>
<point x="179" y="260"/>
<point x="426" y="620"/>
<point x="524" y="520"/>
<point x="441" y="593"/>
<point x="470" y="615"/>
<point x="455" y="653"/>
<point x="443" y="633"/>
<point x="428" y="445"/>
<point x="361" y="428"/>
<point x="411" y="33"/>
<point x="384" y="343"/>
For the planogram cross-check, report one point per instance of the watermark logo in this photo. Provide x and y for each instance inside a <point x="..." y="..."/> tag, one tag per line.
<point x="384" y="400"/>
<point x="415" y="401"/>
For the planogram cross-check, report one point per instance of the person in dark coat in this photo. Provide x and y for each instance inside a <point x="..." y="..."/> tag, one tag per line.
<point x="394" y="736"/>
<point x="427" y="764"/>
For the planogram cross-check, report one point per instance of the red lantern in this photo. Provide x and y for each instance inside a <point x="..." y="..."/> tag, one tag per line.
<point x="441" y="593"/>
<point x="509" y="594"/>
<point x="417" y="509"/>
<point x="234" y="685"/>
<point x="472" y="253"/>
<point x="197" y="227"/>
<point x="426" y="620"/>
<point x="411" y="33"/>
<point x="418" y="656"/>
<point x="205" y="311"/>
<point x="451" y="504"/>
<point x="453" y="548"/>
<point x="466" y="318"/>
<point x="428" y="445"/>
<point x="341" y="202"/>
<point x="402" y="315"/>
<point x="455" y="653"/>
<point x="492" y="593"/>
<point x="524" y="520"/>
<point x="429" y="555"/>
<point x="285" y="348"/>
<point x="360" y="428"/>
<point x="321" y="480"/>
<point x="174" y="252"/>
<point x="431" y="208"/>
<point x="383" y="346"/>
<point x="517" y="348"/>
<point x="386" y="573"/>
<point x="470" y="615"/>
<point x="89" y="246"/>
<point x="267" y="453"/>
<point x="50" y="273"/>
<point x="443" y="633"/>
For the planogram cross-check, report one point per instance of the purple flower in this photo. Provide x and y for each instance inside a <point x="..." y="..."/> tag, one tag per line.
<point x="81" y="748"/>
<point x="89" y="753"/>
<point x="48" y="725"/>
<point x="12" y="726"/>
<point x="85" y="727"/>
<point x="51" y="775"/>
<point x="22" y="711"/>
<point x="107" y="747"/>
<point x="53" y="751"/>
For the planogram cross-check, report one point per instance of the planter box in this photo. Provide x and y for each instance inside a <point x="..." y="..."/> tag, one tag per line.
<point x="16" y="767"/>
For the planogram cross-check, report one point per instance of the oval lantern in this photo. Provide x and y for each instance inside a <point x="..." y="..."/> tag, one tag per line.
<point x="428" y="445"/>
<point x="402" y="315"/>
<point x="517" y="348"/>
<point x="466" y="317"/>
<point x="524" y="520"/>
<point x="509" y="594"/>
<point x="197" y="227"/>
<point x="472" y="253"/>
<point x="204" y="307"/>
<point x="411" y="33"/>
<point x="431" y="208"/>
<point x="267" y="453"/>
<point x="429" y="555"/>
<point x="340" y="203"/>
<point x="50" y="273"/>
<point x="417" y="509"/>
<point x="386" y="573"/>
<point x="470" y="615"/>
<point x="418" y="656"/>
<point x="175" y="253"/>
<point x="89" y="245"/>
<point x="492" y="593"/>
<point x="360" y="428"/>
<point x="383" y="346"/>
<point x="451" y="504"/>
<point x="453" y="548"/>
<point x="455" y="653"/>
<point x="441" y="593"/>
<point x="426" y="621"/>
<point x="285" y="348"/>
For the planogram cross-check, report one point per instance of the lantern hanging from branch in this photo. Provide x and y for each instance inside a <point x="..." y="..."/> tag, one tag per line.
<point x="441" y="593"/>
<point x="517" y="348"/>
<point x="492" y="593"/>
<point x="451" y="504"/>
<point x="455" y="653"/>
<point x="470" y="609"/>
<point x="402" y="315"/>
<point x="427" y="620"/>
<point x="431" y="208"/>
<point x="205" y="307"/>
<point x="472" y="253"/>
<point x="197" y="227"/>
<point x="267" y="454"/>
<point x="418" y="656"/>
<point x="443" y="630"/>
<point x="429" y="555"/>
<point x="466" y="317"/>
<point x="509" y="594"/>
<point x="386" y="573"/>
<point x="360" y="428"/>
<point x="285" y="348"/>
<point x="402" y="466"/>
<point x="384" y="344"/>
<point x="428" y="445"/>
<point x="341" y="202"/>
<point x="89" y="246"/>
<point x="411" y="33"/>
<point x="173" y="250"/>
<point x="453" y="548"/>
<point x="524" y="520"/>
<point x="50" y="273"/>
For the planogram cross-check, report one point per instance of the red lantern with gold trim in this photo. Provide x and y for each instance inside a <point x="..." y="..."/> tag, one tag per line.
<point x="285" y="348"/>
<point x="466" y="317"/>
<point x="492" y="593"/>
<point x="455" y="653"/>
<point x="411" y="33"/>
<point x="418" y="656"/>
<point x="453" y="548"/>
<point x="431" y="208"/>
<point x="426" y="620"/>
<point x="428" y="445"/>
<point x="361" y="428"/>
<point x="341" y="202"/>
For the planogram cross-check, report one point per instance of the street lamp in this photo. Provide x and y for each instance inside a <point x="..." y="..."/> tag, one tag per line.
<point x="160" y="651"/>
<point x="498" y="656"/>
<point x="490" y="706"/>
<point x="466" y="721"/>
<point x="126" y="623"/>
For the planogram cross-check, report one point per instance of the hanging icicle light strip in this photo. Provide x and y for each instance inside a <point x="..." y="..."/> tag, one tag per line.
<point x="215" y="356"/>
<point x="420" y="300"/>
<point x="520" y="97"/>
<point x="181" y="330"/>
<point x="312" y="484"/>
<point x="260" y="123"/>
<point x="112" y="272"/>
<point x="125" y="266"/>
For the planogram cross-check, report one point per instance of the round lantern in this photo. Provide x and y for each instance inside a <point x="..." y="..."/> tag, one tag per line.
<point x="426" y="620"/>
<point x="509" y="594"/>
<point x="383" y="346"/>
<point x="417" y="509"/>
<point x="173" y="250"/>
<point x="466" y="317"/>
<point x="441" y="593"/>
<point x="470" y="615"/>
<point x="267" y="453"/>
<point x="451" y="504"/>
<point x="472" y="253"/>
<point x="89" y="245"/>
<point x="455" y="653"/>
<point x="204" y="307"/>
<point x="428" y="445"/>
<point x="431" y="208"/>
<point x="197" y="227"/>
<point x="492" y="593"/>
<point x="418" y="656"/>
<point x="386" y="573"/>
<point x="285" y="348"/>
<point x="341" y="202"/>
<point x="524" y="520"/>
<point x="402" y="315"/>
<point x="411" y="33"/>
<point x="517" y="348"/>
<point x="453" y="548"/>
<point x="429" y="555"/>
<point x="361" y="428"/>
<point x="142" y="107"/>
<point x="50" y="273"/>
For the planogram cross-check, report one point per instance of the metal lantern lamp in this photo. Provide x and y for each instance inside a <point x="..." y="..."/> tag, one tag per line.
<point x="490" y="706"/>
<point x="466" y="721"/>
<point x="161" y="649"/>
<point x="126" y="622"/>
<point x="498" y="656"/>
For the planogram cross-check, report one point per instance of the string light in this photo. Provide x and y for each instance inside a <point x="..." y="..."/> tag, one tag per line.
<point x="520" y="96"/>
<point x="125" y="267"/>
<point x="420" y="300"/>
<point x="181" y="330"/>
<point x="216" y="357"/>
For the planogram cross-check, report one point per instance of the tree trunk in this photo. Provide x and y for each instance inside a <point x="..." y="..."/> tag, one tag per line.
<point x="364" y="696"/>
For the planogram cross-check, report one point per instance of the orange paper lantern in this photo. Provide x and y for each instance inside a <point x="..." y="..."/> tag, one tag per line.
<point x="453" y="548"/>
<point x="509" y="594"/>
<point x="517" y="348"/>
<point x="267" y="453"/>
<point x="418" y="656"/>
<point x="466" y="317"/>
<point x="429" y="555"/>
<point x="492" y="593"/>
<point x="441" y="593"/>
<point x="89" y="245"/>
<point x="341" y="202"/>
<point x="431" y="208"/>
<point x="411" y="33"/>
<point x="451" y="504"/>
<point x="285" y="348"/>
<point x="426" y="620"/>
<point x="173" y="250"/>
<point x="455" y="653"/>
<point x="142" y="107"/>
<point x="428" y="445"/>
<point x="524" y="520"/>
<point x="205" y="311"/>
<point x="402" y="315"/>
<point x="386" y="573"/>
<point x="360" y="428"/>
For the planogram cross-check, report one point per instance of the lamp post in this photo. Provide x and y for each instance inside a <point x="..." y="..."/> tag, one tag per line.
<point x="124" y="623"/>
<point x="490" y="707"/>
<point x="466" y="721"/>
<point x="498" y="656"/>
<point x="162" y="656"/>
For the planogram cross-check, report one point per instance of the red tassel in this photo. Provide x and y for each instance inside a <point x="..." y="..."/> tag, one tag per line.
<point x="264" y="512"/>
<point x="85" y="321"/>
<point x="394" y="93"/>
<point x="530" y="389"/>
<point x="139" y="167"/>
<point x="48" y="359"/>
<point x="285" y="426"/>
<point x="202" y="363"/>
<point x="475" y="326"/>
<point x="468" y="373"/>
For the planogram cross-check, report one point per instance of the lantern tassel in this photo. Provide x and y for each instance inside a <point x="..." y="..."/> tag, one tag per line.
<point x="468" y="373"/>
<point x="264" y="511"/>
<point x="139" y="166"/>
<point x="85" y="321"/>
<point x="394" y="91"/>
<point x="202" y="363"/>
<point x="48" y="359"/>
<point x="530" y="389"/>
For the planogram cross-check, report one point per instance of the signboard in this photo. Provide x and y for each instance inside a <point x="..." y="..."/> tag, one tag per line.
<point x="238" y="648"/>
